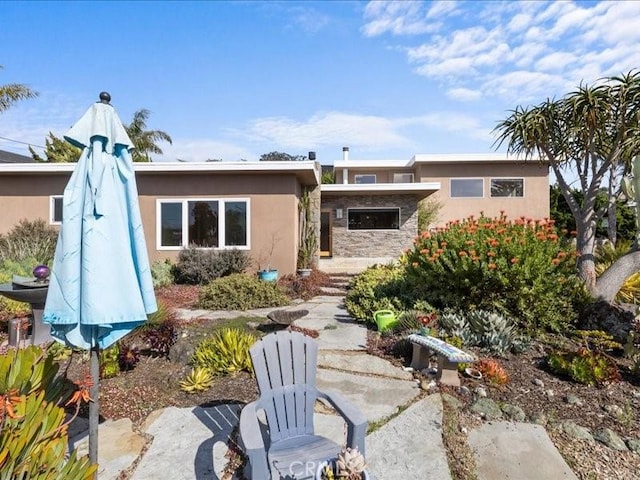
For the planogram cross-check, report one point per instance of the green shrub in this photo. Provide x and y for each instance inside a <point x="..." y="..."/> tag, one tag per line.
<point x="24" y="268"/>
<point x="224" y="353"/>
<point x="380" y="287"/>
<point x="197" y="266"/>
<point x="33" y="437"/>
<point x="162" y="273"/>
<point x="584" y="366"/>
<point x="29" y="240"/>
<point x="240" y="292"/>
<point x="519" y="268"/>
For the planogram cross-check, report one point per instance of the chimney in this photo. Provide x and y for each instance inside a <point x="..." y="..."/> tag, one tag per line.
<point x="345" y="154"/>
<point x="312" y="156"/>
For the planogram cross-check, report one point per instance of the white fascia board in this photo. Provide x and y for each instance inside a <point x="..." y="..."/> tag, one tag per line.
<point x="472" y="158"/>
<point x="306" y="167"/>
<point x="355" y="164"/>
<point x="380" y="188"/>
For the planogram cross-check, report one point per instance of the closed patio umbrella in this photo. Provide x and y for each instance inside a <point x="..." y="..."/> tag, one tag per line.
<point x="100" y="286"/>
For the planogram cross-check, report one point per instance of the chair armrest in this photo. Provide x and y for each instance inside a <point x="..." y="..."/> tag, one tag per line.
<point x="355" y="419"/>
<point x="253" y="443"/>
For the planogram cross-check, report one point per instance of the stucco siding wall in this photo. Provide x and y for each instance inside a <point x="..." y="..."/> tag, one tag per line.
<point x="372" y="243"/>
<point x="534" y="203"/>
<point x="273" y="209"/>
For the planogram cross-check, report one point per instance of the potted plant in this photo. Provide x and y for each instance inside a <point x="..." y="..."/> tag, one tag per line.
<point x="308" y="238"/>
<point x="349" y="465"/>
<point x="268" y="274"/>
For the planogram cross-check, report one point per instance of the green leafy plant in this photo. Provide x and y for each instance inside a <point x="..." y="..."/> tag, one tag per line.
<point x="308" y="242"/>
<point x="379" y="287"/>
<point x="584" y="366"/>
<point x="162" y="273"/>
<point x="109" y="365"/>
<point x="520" y="269"/>
<point x="197" y="266"/>
<point x="225" y="352"/>
<point x="199" y="380"/>
<point x="29" y="240"/>
<point x="240" y="292"/>
<point x="33" y="433"/>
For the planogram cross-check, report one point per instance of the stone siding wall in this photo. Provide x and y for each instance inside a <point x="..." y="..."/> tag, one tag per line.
<point x="372" y="243"/>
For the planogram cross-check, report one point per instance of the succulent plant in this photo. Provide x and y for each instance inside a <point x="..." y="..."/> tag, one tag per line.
<point x="225" y="352"/>
<point x="199" y="380"/>
<point x="350" y="464"/>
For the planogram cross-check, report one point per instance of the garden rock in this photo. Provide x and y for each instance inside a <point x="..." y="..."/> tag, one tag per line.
<point x="538" y="382"/>
<point x="465" y="390"/>
<point x="573" y="400"/>
<point x="539" y="418"/>
<point x="182" y="351"/>
<point x="452" y="401"/>
<point x="486" y="408"/>
<point x="610" y="439"/>
<point x="614" y="410"/>
<point x="481" y="392"/>
<point x="514" y="412"/>
<point x="576" y="431"/>
<point x="286" y="317"/>
<point x="634" y="445"/>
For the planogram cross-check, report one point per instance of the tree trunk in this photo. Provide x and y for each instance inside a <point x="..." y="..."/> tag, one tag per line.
<point x="610" y="282"/>
<point x="586" y="244"/>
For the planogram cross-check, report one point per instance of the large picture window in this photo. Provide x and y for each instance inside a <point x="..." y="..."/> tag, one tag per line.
<point x="205" y="223"/>
<point x="507" y="187"/>
<point x="466" y="188"/>
<point x="55" y="210"/>
<point x="374" y="218"/>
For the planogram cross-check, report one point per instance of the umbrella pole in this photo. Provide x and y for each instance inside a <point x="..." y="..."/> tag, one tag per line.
<point x="94" y="405"/>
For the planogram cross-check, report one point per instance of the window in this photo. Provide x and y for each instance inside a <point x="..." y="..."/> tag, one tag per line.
<point x="466" y="187"/>
<point x="403" y="178"/>
<point x="366" y="178"/>
<point x="374" y="218"/>
<point x="204" y="223"/>
<point x="507" y="187"/>
<point x="55" y="210"/>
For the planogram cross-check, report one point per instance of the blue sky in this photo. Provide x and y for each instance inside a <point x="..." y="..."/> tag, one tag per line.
<point x="235" y="80"/>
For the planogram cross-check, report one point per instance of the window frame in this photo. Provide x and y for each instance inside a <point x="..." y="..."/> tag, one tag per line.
<point x="451" y="180"/>
<point x="404" y="173"/>
<point x="52" y="209"/>
<point x="184" y="201"/>
<point x="356" y="175"/>
<point x="506" y="178"/>
<point x="349" y="229"/>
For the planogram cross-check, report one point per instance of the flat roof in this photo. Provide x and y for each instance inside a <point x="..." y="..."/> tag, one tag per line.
<point x="307" y="171"/>
<point x="433" y="158"/>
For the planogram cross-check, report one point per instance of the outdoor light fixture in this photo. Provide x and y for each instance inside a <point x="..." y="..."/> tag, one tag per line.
<point x="338" y="213"/>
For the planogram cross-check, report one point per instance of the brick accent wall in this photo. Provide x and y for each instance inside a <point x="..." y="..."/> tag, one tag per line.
<point x="372" y="243"/>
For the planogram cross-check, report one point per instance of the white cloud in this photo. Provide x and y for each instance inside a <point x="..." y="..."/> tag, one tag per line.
<point x="440" y="8"/>
<point x="523" y="50"/>
<point x="555" y="61"/>
<point x="464" y="94"/>
<point x="399" y="18"/>
<point x="309" y="19"/>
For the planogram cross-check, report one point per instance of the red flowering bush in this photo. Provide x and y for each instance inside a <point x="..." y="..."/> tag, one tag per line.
<point x="519" y="268"/>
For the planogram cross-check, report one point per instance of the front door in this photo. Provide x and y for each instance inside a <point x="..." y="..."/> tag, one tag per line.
<point x="325" y="233"/>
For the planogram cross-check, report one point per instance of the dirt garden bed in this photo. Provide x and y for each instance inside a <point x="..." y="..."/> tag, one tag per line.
<point x="153" y="384"/>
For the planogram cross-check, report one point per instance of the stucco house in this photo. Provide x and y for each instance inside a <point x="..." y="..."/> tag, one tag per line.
<point x="370" y="212"/>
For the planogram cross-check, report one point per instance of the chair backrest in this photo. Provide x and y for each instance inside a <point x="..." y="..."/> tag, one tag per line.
<point x="284" y="363"/>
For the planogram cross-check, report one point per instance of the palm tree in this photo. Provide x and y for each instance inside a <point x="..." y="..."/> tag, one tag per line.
<point x="12" y="93"/>
<point x="144" y="141"/>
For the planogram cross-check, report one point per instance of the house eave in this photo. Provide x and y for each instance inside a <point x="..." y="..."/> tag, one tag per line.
<point x="422" y="190"/>
<point x="307" y="172"/>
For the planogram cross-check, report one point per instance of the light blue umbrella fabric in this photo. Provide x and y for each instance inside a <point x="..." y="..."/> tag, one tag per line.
<point x="100" y="286"/>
